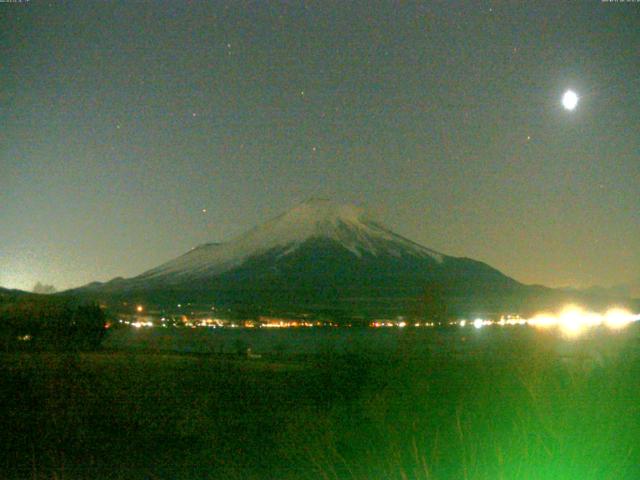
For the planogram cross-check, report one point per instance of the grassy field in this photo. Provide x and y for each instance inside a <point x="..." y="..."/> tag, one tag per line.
<point x="522" y="409"/>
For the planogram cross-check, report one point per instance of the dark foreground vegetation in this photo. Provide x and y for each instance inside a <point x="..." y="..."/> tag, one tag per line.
<point x="30" y="322"/>
<point x="518" y="410"/>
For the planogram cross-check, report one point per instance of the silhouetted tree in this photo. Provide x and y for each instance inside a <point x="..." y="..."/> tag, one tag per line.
<point x="44" y="289"/>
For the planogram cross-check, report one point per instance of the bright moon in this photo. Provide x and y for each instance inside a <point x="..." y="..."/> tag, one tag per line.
<point x="570" y="100"/>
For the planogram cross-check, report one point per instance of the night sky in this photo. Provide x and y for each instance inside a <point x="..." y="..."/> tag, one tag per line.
<point x="133" y="131"/>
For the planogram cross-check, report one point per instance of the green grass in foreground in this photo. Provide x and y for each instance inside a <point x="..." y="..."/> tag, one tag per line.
<point x="517" y="412"/>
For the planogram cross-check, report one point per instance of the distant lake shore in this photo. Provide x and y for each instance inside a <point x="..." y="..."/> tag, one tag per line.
<point x="392" y="341"/>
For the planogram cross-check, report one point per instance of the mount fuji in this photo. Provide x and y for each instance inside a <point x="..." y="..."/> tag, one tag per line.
<point x="318" y="256"/>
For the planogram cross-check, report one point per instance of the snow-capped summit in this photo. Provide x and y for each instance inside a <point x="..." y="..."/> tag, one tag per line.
<point x="345" y="225"/>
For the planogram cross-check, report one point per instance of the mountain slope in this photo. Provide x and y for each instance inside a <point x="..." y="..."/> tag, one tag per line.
<point x="318" y="255"/>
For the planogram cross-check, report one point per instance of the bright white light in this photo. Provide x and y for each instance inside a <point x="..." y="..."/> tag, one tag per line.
<point x="617" y="318"/>
<point x="571" y="321"/>
<point x="141" y="324"/>
<point x="570" y="100"/>
<point x="478" y="323"/>
<point x="463" y="323"/>
<point x="544" y="320"/>
<point x="574" y="320"/>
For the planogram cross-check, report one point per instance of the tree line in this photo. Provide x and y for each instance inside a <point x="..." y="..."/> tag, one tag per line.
<point x="51" y="323"/>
